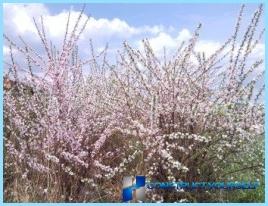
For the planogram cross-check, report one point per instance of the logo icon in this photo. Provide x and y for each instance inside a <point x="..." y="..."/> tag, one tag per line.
<point x="133" y="189"/>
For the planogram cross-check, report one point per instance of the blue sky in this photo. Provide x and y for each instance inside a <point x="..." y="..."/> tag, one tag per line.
<point x="217" y="19"/>
<point x="165" y="25"/>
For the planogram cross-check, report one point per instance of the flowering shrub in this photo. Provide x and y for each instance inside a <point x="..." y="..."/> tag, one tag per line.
<point x="71" y="136"/>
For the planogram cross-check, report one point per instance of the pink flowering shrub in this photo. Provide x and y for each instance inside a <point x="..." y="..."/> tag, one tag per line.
<point x="71" y="136"/>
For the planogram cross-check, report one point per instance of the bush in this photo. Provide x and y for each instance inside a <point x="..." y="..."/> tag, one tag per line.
<point x="71" y="137"/>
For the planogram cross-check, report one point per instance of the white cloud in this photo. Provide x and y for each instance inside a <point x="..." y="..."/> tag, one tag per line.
<point x="184" y="35"/>
<point x="259" y="51"/>
<point x="20" y="16"/>
<point x="6" y="50"/>
<point x="208" y="47"/>
<point x="163" y="39"/>
<point x="56" y="26"/>
<point x="18" y="21"/>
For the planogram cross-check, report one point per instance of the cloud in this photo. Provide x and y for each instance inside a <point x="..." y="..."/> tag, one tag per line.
<point x="165" y="40"/>
<point x="208" y="47"/>
<point x="20" y="17"/>
<point x="171" y="43"/>
<point x="56" y="26"/>
<point x="259" y="51"/>
<point x="18" y="20"/>
<point x="6" y="50"/>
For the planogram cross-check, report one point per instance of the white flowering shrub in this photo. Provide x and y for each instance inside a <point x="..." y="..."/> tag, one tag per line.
<point x="71" y="136"/>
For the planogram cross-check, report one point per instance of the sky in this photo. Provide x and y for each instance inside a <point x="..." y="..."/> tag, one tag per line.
<point x="165" y="25"/>
<point x="213" y="16"/>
